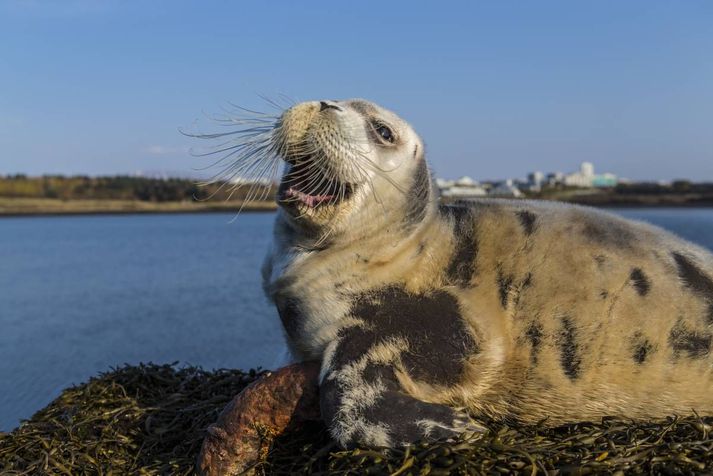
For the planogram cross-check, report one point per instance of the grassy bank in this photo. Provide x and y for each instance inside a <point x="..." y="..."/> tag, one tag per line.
<point x="151" y="419"/>
<point x="60" y="195"/>
<point x="623" y="197"/>
<point x="51" y="206"/>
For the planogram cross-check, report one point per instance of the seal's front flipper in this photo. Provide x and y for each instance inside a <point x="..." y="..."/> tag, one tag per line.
<point x="367" y="408"/>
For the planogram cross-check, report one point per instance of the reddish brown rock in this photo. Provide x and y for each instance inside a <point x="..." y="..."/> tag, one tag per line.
<point x="247" y="425"/>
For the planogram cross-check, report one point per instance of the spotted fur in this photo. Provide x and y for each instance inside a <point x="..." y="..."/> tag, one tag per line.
<point x="641" y="348"/>
<point x="462" y="263"/>
<point x="640" y="281"/>
<point x="570" y="355"/>
<point x="699" y="282"/>
<point x="528" y="221"/>
<point x="427" y="317"/>
<point x="418" y="194"/>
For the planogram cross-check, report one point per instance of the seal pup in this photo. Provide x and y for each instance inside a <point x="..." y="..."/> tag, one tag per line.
<point x="519" y="310"/>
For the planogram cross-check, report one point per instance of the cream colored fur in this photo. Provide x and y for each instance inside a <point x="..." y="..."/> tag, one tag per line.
<point x="564" y="285"/>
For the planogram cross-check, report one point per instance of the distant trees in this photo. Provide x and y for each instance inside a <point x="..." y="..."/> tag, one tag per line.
<point x="654" y="188"/>
<point x="120" y="188"/>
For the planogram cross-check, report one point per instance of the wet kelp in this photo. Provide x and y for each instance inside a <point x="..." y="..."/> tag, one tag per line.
<point x="151" y="419"/>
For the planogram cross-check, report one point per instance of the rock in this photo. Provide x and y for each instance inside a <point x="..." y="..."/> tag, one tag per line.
<point x="267" y="408"/>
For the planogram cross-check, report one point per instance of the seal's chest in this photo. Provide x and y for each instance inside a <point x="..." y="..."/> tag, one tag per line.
<point x="291" y="312"/>
<point x="311" y="307"/>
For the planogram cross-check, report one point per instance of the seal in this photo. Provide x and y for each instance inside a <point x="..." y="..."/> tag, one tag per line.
<point x="422" y="315"/>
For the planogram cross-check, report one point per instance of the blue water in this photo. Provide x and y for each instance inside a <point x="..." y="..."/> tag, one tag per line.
<point x="79" y="295"/>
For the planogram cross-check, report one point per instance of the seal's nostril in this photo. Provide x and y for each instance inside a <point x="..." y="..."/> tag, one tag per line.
<point x="324" y="105"/>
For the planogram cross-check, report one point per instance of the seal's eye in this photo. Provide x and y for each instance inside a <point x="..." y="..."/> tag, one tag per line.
<point x="384" y="132"/>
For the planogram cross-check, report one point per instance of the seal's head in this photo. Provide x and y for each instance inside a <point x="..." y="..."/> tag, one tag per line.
<point x="350" y="163"/>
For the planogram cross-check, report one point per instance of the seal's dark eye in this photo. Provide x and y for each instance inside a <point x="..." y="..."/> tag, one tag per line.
<point x="384" y="132"/>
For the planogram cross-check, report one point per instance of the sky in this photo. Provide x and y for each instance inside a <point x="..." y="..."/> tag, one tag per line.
<point x="495" y="88"/>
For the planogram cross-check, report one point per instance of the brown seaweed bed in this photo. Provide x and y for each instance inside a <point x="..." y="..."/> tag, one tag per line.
<point x="151" y="419"/>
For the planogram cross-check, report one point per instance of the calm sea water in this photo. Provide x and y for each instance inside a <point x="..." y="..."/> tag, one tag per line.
<point x="79" y="295"/>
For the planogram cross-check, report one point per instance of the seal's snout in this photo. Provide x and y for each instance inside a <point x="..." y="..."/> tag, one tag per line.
<point x="294" y="126"/>
<point x="324" y="105"/>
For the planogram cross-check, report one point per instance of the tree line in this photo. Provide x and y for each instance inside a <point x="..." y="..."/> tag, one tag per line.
<point x="123" y="187"/>
<point x="675" y="187"/>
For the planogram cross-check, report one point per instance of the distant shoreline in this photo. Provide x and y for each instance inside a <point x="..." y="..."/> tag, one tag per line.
<point x="42" y="207"/>
<point x="38" y="207"/>
<point x="608" y="200"/>
<point x="643" y="201"/>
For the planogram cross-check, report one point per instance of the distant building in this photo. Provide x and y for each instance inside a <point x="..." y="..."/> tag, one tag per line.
<point x="506" y="189"/>
<point x="586" y="178"/>
<point x="464" y="187"/>
<point x="555" y="178"/>
<point x="605" y="180"/>
<point x="535" y="180"/>
<point x="583" y="178"/>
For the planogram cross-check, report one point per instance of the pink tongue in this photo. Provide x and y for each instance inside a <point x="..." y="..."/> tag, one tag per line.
<point x="309" y="200"/>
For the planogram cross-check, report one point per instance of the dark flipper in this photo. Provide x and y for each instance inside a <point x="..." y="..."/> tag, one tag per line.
<point x="363" y="405"/>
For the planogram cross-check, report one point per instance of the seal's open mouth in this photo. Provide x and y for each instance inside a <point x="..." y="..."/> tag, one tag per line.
<point x="308" y="185"/>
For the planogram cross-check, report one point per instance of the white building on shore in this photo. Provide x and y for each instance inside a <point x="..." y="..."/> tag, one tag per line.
<point x="506" y="189"/>
<point x="586" y="178"/>
<point x="464" y="187"/>
<point x="583" y="178"/>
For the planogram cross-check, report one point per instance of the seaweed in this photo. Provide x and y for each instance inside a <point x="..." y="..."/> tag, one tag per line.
<point x="150" y="420"/>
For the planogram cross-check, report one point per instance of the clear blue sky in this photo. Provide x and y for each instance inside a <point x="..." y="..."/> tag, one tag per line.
<point x="495" y="88"/>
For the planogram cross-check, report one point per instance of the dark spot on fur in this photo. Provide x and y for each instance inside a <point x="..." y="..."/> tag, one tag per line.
<point x="683" y="339"/>
<point x="362" y="107"/>
<point x="608" y="232"/>
<point x="569" y="349"/>
<point x="330" y="395"/>
<point x="400" y="413"/>
<point x="290" y="311"/>
<point x="439" y="341"/>
<point x="375" y="372"/>
<point x="354" y="342"/>
<point x="603" y="294"/>
<point x="461" y="267"/>
<point x="641" y="351"/>
<point x="418" y="197"/>
<point x="504" y="285"/>
<point x="362" y="259"/>
<point x="534" y="335"/>
<point x="528" y="220"/>
<point x="697" y="281"/>
<point x="640" y="281"/>
<point x="641" y="348"/>
<point x="438" y="345"/>
<point x="600" y="259"/>
<point x="525" y="283"/>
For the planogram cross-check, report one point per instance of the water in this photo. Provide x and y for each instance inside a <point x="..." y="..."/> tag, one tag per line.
<point x="79" y="295"/>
